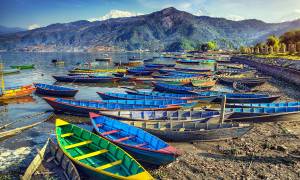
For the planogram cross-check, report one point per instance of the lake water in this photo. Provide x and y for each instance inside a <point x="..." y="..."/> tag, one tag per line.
<point x="16" y="109"/>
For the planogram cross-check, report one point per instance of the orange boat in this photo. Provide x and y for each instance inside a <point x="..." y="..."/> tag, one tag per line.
<point x="14" y="92"/>
<point x="17" y="92"/>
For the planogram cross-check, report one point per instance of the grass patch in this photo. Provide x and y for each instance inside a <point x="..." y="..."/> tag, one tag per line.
<point x="295" y="57"/>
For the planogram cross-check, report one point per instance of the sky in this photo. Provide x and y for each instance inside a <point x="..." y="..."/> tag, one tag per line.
<point x="32" y="14"/>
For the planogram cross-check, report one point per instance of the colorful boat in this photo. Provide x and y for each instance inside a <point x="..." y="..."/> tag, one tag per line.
<point x="83" y="79"/>
<point x="141" y="145"/>
<point x="203" y="83"/>
<point x="115" y="70"/>
<point x="265" y="114"/>
<point x="151" y="102"/>
<point x="192" y="131"/>
<point x="64" y="166"/>
<point x="30" y="66"/>
<point x="138" y="72"/>
<point x="276" y="104"/>
<point x="160" y="95"/>
<point x="95" y="155"/>
<point x="82" y="108"/>
<point x="163" y="87"/>
<point x="16" y="92"/>
<point x="196" y="61"/>
<point x="52" y="90"/>
<point x="179" y="115"/>
<point x="193" y="70"/>
<point x="10" y="71"/>
<point x="250" y="82"/>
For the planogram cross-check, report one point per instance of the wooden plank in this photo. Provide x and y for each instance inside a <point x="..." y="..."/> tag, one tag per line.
<point x="141" y="145"/>
<point x="109" y="165"/>
<point x="96" y="153"/>
<point x="110" y="132"/>
<point x="222" y="115"/>
<point x="124" y="138"/>
<point x="66" y="135"/>
<point x="78" y="144"/>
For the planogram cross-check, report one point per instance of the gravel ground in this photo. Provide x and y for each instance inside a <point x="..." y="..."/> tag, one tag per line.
<point x="268" y="151"/>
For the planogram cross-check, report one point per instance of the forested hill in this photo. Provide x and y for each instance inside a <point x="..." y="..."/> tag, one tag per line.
<point x="168" y="29"/>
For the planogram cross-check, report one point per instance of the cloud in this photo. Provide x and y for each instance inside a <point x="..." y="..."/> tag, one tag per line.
<point x="33" y="26"/>
<point x="295" y="14"/>
<point x="234" y="17"/>
<point x="115" y="14"/>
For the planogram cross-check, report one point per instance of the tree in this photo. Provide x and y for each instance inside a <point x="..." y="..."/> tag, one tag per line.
<point x="271" y="50"/>
<point x="212" y="45"/>
<point x="273" y="41"/>
<point x="292" y="48"/>
<point x="243" y="50"/>
<point x="298" y="46"/>
<point x="282" y="47"/>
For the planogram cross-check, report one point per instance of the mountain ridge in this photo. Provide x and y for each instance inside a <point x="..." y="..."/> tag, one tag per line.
<point x="154" y="31"/>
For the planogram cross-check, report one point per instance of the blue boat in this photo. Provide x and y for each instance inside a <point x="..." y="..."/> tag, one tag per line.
<point x="164" y="95"/>
<point x="163" y="87"/>
<point x="265" y="114"/>
<point x="149" y="101"/>
<point x="176" y="76"/>
<point x="82" y="107"/>
<point x="144" y="99"/>
<point x="140" y="144"/>
<point x="193" y="70"/>
<point x="52" y="90"/>
<point x="179" y="115"/>
<point x="84" y="79"/>
<point x="140" y="71"/>
<point x="276" y="104"/>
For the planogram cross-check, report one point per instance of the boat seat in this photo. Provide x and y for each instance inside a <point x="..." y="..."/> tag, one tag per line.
<point x="109" y="165"/>
<point x="124" y="138"/>
<point x="162" y="129"/>
<point x="99" y="125"/>
<point x="110" y="132"/>
<point x="78" y="144"/>
<point x="96" y="153"/>
<point x="181" y="129"/>
<point x="66" y="135"/>
<point x="141" y="145"/>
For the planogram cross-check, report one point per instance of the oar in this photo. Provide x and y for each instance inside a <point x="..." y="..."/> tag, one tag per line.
<point x="24" y="117"/>
<point x="15" y="131"/>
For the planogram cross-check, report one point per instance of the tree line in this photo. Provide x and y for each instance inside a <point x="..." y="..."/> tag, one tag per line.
<point x="288" y="43"/>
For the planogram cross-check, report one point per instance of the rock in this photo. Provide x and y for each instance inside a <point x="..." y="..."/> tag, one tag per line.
<point x="282" y="148"/>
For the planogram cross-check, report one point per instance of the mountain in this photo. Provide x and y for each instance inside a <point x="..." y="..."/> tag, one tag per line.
<point x="156" y="31"/>
<point x="7" y="30"/>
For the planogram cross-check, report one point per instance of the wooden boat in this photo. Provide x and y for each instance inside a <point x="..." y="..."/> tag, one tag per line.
<point x="145" y="101"/>
<point x="30" y="66"/>
<point x="115" y="70"/>
<point x="10" y="71"/>
<point x="179" y="115"/>
<point x="239" y="87"/>
<point x="141" y="145"/>
<point x="138" y="72"/>
<point x="194" y="70"/>
<point x="203" y="83"/>
<point x="134" y="58"/>
<point x="52" y="156"/>
<point x="276" y="104"/>
<point x="53" y="90"/>
<point x="265" y="114"/>
<point x="83" y="79"/>
<point x="191" y="131"/>
<point x="163" y="87"/>
<point x="160" y="95"/>
<point x="196" y="61"/>
<point x="250" y="82"/>
<point x="95" y="155"/>
<point x="82" y="108"/>
<point x="174" y="76"/>
<point x="16" y="92"/>
<point x="103" y="59"/>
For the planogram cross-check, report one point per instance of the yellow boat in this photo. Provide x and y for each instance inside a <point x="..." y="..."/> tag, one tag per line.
<point x="14" y="92"/>
<point x="121" y="70"/>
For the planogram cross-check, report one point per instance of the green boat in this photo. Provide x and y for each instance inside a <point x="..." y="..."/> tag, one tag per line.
<point x="10" y="71"/>
<point x="97" y="156"/>
<point x="30" y="66"/>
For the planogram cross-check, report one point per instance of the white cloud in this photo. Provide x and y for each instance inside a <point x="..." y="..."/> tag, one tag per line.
<point x="115" y="14"/>
<point x="234" y="17"/>
<point x="33" y="26"/>
<point x="295" y="14"/>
